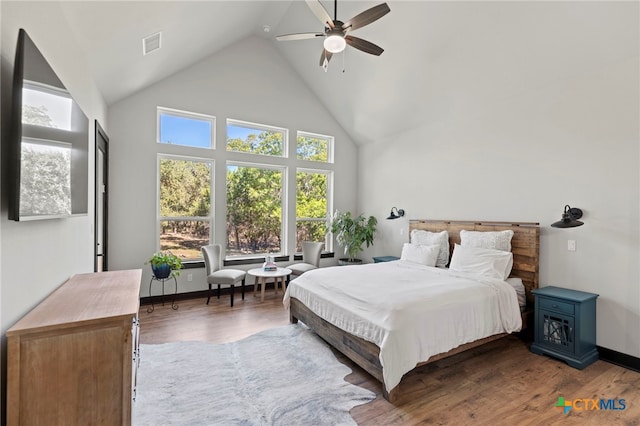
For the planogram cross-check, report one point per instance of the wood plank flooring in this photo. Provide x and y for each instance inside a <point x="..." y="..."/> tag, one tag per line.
<point x="501" y="383"/>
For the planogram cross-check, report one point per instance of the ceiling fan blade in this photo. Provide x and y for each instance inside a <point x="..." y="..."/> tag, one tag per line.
<point x="298" y="36"/>
<point x="325" y="55"/>
<point x="321" y="13"/>
<point x="366" y="17"/>
<point x="364" y="45"/>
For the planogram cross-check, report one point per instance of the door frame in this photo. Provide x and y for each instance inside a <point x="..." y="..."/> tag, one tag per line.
<point x="102" y="144"/>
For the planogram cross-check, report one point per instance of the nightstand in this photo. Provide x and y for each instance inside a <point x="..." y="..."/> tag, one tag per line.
<point x="379" y="259"/>
<point x="565" y="325"/>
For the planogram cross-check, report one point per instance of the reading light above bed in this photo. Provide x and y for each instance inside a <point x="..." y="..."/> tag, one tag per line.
<point x="398" y="214"/>
<point x="569" y="218"/>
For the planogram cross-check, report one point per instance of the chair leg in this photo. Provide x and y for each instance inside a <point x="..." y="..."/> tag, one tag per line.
<point x="232" y="291"/>
<point x="209" y="294"/>
<point x="243" y="289"/>
<point x="218" y="291"/>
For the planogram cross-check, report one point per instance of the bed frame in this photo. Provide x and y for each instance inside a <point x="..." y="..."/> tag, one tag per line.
<point x="525" y="246"/>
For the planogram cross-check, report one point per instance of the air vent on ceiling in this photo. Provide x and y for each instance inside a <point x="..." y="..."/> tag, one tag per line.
<point x="151" y="43"/>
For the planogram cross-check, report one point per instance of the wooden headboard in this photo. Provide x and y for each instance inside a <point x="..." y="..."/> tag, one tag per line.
<point x="525" y="244"/>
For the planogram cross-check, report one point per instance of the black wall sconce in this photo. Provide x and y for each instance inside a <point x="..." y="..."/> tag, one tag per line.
<point x="569" y="218"/>
<point x="398" y="214"/>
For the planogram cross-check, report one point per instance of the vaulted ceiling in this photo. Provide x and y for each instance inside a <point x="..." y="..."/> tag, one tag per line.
<point x="441" y="59"/>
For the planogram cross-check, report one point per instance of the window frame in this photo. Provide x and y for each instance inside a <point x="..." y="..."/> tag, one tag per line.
<point x="257" y="126"/>
<point x="284" y="169"/>
<point x="219" y="158"/>
<point x="328" y="239"/>
<point x="330" y="145"/>
<point x="210" y="218"/>
<point x="186" y="114"/>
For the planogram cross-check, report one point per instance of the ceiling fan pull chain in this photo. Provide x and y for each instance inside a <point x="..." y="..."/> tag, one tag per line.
<point x="344" y="53"/>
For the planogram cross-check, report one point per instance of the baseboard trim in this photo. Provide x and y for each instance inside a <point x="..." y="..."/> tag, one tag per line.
<point x="619" y="358"/>
<point x="200" y="294"/>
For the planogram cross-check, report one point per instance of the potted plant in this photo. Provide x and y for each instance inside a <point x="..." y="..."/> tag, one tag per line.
<point x="165" y="263"/>
<point x="351" y="233"/>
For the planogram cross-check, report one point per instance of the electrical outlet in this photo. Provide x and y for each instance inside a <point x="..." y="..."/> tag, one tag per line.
<point x="571" y="245"/>
<point x="189" y="277"/>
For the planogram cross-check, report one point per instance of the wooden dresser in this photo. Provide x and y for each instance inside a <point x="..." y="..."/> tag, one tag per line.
<point x="72" y="360"/>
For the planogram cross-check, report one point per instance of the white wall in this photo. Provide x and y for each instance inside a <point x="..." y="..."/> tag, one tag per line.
<point x="2" y="354"/>
<point x="246" y="81"/>
<point x="36" y="257"/>
<point x="522" y="157"/>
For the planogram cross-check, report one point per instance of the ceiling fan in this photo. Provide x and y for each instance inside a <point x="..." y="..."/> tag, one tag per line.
<point x="336" y="33"/>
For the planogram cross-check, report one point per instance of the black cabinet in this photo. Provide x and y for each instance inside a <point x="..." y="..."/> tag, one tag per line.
<point x="379" y="259"/>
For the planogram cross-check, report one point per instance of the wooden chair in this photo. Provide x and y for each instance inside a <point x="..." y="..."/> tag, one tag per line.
<point x="310" y="258"/>
<point x="218" y="276"/>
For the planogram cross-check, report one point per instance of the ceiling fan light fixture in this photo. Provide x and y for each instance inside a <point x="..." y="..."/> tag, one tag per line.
<point x="335" y="43"/>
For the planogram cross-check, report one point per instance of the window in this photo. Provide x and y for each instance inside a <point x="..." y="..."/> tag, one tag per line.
<point x="184" y="205"/>
<point x="256" y="138"/>
<point x="314" y="147"/>
<point x="185" y="128"/>
<point x="261" y="170"/>
<point x="312" y="206"/>
<point x="255" y="221"/>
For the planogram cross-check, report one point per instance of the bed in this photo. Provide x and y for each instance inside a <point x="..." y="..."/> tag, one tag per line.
<point x="387" y="352"/>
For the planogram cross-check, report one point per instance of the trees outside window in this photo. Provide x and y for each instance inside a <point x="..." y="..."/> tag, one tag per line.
<point x="260" y="172"/>
<point x="312" y="205"/>
<point x="185" y="205"/>
<point x="256" y="138"/>
<point x="314" y="147"/>
<point x="254" y="210"/>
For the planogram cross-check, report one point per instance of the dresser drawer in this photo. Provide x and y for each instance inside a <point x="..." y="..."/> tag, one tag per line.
<point x="556" y="305"/>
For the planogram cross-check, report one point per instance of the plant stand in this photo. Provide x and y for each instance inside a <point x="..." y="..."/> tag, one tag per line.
<point x="343" y="261"/>
<point x="174" y="306"/>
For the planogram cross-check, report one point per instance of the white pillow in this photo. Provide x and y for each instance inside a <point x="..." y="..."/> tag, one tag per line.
<point x="427" y="238"/>
<point x="416" y="253"/>
<point x="497" y="240"/>
<point x="480" y="261"/>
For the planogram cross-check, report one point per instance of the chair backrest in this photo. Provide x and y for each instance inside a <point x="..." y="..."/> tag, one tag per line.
<point x="311" y="252"/>
<point x="211" y="254"/>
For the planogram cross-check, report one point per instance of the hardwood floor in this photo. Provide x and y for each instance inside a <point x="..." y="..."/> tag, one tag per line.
<point x="499" y="383"/>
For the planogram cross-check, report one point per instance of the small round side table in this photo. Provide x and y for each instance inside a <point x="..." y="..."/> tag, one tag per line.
<point x="278" y="275"/>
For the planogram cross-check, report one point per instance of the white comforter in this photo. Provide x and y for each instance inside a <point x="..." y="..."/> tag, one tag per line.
<point x="409" y="311"/>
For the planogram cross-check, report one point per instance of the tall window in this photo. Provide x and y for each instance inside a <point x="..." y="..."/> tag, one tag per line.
<point x="185" y="183"/>
<point x="255" y="221"/>
<point x="312" y="205"/>
<point x="184" y="205"/>
<point x="256" y="138"/>
<point x="314" y="147"/>
<point x="185" y="128"/>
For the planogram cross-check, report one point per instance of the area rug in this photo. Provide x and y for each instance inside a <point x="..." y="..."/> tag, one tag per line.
<point x="282" y="376"/>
